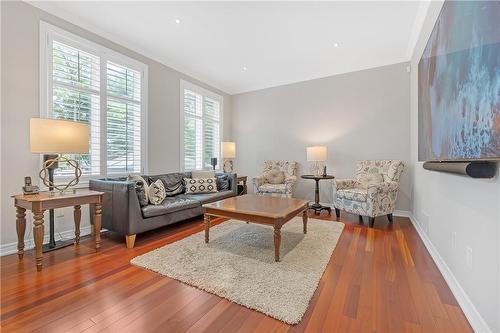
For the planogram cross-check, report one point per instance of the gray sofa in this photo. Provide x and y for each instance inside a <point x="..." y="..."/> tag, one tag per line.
<point x="122" y="213"/>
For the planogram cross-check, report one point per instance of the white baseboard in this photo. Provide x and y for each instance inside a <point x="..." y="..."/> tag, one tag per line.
<point x="11" y="248"/>
<point x="476" y="321"/>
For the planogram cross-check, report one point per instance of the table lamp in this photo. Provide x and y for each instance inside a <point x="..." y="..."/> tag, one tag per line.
<point x="228" y="153"/>
<point x="53" y="137"/>
<point x="316" y="155"/>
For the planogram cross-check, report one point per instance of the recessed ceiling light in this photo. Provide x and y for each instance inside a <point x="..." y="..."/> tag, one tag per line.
<point x="335" y="44"/>
<point x="177" y="21"/>
<point x="245" y="68"/>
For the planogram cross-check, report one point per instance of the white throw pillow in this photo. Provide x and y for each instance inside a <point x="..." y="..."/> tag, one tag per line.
<point x="368" y="180"/>
<point x="200" y="185"/>
<point x="156" y="192"/>
<point x="275" y="176"/>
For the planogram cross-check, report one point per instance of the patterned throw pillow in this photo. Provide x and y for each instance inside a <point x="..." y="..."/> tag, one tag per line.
<point x="222" y="182"/>
<point x="156" y="192"/>
<point x="141" y="188"/>
<point x="275" y="176"/>
<point x="371" y="179"/>
<point x="200" y="185"/>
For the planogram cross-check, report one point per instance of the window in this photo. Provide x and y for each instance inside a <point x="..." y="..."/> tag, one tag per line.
<point x="85" y="82"/>
<point x="201" y="122"/>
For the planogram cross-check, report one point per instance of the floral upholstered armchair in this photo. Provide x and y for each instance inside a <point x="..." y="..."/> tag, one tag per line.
<point x="373" y="192"/>
<point x="278" y="179"/>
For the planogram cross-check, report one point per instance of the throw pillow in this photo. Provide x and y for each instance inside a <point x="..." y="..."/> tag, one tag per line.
<point x="156" y="192"/>
<point x="222" y="182"/>
<point x="371" y="179"/>
<point x="203" y="174"/>
<point x="172" y="183"/>
<point x="275" y="176"/>
<point x="141" y="190"/>
<point x="200" y="185"/>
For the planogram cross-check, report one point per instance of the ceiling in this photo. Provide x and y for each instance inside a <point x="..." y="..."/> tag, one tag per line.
<point x="244" y="46"/>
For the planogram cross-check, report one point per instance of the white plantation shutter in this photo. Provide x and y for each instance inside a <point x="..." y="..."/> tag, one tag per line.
<point x="201" y="127"/>
<point x="123" y="120"/>
<point x="85" y="82"/>
<point x="76" y="97"/>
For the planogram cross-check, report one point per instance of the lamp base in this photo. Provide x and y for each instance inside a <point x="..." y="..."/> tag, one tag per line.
<point x="228" y="166"/>
<point x="57" y="245"/>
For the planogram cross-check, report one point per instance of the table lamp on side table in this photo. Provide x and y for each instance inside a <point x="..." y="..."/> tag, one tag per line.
<point x="51" y="138"/>
<point x="316" y="155"/>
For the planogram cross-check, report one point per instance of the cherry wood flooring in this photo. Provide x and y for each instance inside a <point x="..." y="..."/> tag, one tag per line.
<point x="378" y="280"/>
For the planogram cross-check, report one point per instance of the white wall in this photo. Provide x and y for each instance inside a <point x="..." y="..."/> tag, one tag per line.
<point x="444" y="204"/>
<point x="359" y="115"/>
<point x="20" y="102"/>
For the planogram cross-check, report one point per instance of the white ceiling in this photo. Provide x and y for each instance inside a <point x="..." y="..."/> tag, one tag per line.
<point x="278" y="42"/>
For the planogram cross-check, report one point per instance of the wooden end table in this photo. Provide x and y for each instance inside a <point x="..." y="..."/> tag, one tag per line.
<point x="316" y="205"/>
<point x="243" y="180"/>
<point x="39" y="203"/>
<point x="274" y="211"/>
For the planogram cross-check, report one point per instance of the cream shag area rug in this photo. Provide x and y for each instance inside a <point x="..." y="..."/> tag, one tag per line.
<point x="238" y="264"/>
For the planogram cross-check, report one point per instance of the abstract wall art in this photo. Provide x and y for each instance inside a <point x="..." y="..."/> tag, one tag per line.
<point x="459" y="84"/>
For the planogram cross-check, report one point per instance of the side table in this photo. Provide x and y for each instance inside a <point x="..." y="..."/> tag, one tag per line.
<point x="39" y="203"/>
<point x="316" y="205"/>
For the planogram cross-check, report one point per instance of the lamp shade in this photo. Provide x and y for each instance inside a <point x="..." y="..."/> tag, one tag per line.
<point x="228" y="149"/>
<point x="50" y="136"/>
<point x="316" y="154"/>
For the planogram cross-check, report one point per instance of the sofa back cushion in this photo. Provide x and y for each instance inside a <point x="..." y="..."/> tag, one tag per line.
<point x="391" y="170"/>
<point x="288" y="167"/>
<point x="368" y="180"/>
<point x="171" y="181"/>
<point x="274" y="176"/>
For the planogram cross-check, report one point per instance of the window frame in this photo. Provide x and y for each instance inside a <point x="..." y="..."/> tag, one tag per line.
<point x="49" y="33"/>
<point x="183" y="84"/>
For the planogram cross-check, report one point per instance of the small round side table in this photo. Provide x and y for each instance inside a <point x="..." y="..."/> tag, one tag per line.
<point x="316" y="205"/>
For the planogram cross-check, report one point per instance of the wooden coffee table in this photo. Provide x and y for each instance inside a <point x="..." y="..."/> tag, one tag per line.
<point x="273" y="211"/>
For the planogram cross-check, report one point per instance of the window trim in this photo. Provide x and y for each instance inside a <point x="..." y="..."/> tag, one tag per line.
<point x="48" y="33"/>
<point x="183" y="84"/>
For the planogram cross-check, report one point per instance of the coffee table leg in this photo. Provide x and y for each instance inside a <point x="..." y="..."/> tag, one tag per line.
<point x="207" y="227"/>
<point x="304" y="220"/>
<point x="277" y="242"/>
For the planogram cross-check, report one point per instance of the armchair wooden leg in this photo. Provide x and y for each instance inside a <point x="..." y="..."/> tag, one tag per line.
<point x="389" y="217"/>
<point x="130" y="240"/>
<point x="337" y="212"/>
<point x="372" y="221"/>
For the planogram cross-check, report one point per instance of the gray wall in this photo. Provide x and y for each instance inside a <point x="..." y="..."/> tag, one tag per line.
<point x="445" y="203"/>
<point x="359" y="115"/>
<point x="20" y="102"/>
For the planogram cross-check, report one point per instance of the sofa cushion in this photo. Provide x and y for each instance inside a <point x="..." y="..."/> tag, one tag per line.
<point x="172" y="182"/>
<point x="355" y="194"/>
<point x="222" y="182"/>
<point x="272" y="188"/>
<point x="170" y="205"/>
<point x="141" y="188"/>
<point x="204" y="198"/>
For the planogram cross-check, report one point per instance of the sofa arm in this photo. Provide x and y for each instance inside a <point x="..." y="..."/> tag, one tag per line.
<point x="120" y="204"/>
<point x="340" y="184"/>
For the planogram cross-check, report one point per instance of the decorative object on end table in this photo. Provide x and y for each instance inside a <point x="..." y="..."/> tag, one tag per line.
<point x="316" y="205"/>
<point x="28" y="188"/>
<point x="316" y="155"/>
<point x="53" y="137"/>
<point x="228" y="154"/>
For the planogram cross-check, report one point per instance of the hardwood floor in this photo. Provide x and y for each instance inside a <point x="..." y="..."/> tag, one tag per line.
<point x="378" y="280"/>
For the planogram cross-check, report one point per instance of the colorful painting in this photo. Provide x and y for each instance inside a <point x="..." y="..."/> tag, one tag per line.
<point x="459" y="84"/>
